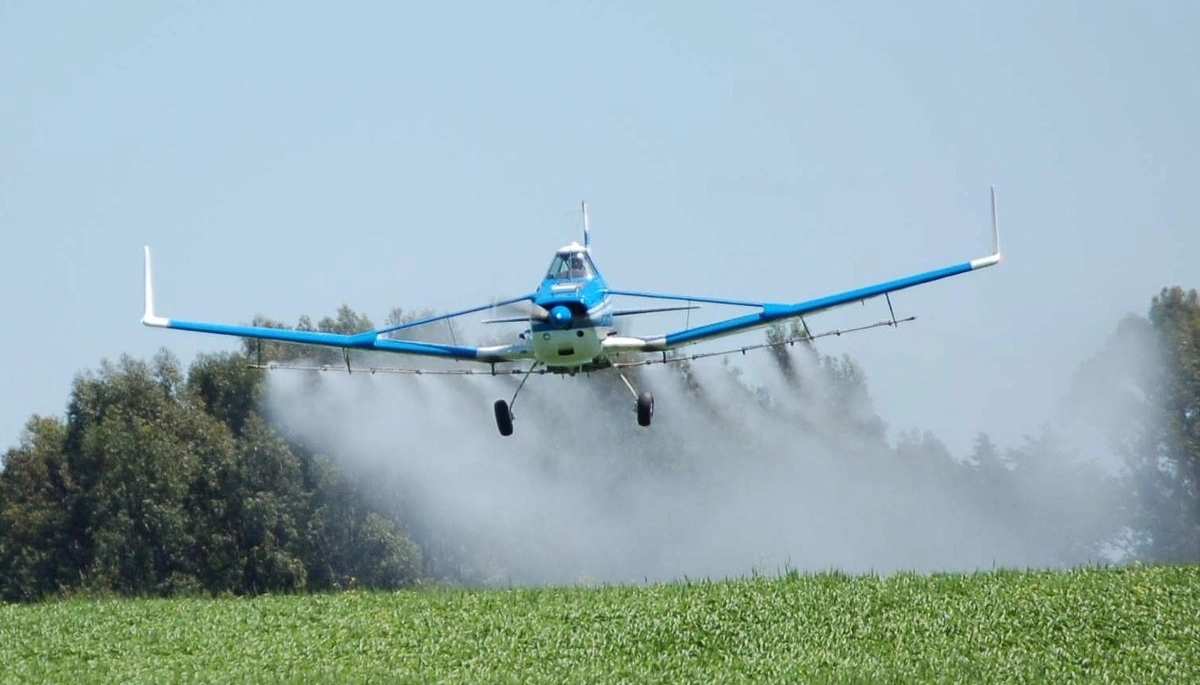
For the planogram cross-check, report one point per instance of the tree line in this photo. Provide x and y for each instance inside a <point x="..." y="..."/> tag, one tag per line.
<point x="162" y="481"/>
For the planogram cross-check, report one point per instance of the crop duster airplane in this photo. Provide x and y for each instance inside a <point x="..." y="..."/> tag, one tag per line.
<point x="572" y="323"/>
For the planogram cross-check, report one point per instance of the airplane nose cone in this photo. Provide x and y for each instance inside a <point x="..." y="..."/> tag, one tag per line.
<point x="560" y="316"/>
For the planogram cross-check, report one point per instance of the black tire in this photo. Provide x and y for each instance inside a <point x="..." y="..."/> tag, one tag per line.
<point x="503" y="417"/>
<point x="645" y="408"/>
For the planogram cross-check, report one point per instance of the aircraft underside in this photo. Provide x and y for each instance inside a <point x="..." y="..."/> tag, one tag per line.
<point x="570" y="352"/>
<point x="566" y="348"/>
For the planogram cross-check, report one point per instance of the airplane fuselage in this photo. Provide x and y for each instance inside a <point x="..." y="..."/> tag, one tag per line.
<point x="577" y="314"/>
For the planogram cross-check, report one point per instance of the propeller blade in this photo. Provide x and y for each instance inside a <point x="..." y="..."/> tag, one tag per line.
<point x="521" y="311"/>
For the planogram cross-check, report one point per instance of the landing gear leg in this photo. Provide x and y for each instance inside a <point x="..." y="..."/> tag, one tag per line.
<point x="503" y="410"/>
<point x="645" y="402"/>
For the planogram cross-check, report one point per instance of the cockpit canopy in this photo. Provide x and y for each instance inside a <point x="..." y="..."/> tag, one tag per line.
<point x="571" y="264"/>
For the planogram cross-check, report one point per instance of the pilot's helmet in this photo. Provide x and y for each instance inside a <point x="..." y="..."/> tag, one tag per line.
<point x="576" y="262"/>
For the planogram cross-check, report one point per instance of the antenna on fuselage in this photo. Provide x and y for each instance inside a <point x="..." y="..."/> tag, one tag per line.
<point x="587" y="241"/>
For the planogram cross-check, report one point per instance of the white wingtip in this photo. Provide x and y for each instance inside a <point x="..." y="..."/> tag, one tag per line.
<point x="990" y="260"/>
<point x="148" y="316"/>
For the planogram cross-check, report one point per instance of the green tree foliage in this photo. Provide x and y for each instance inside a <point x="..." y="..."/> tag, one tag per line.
<point x="131" y="445"/>
<point x="1141" y="395"/>
<point x="36" y="555"/>
<point x="158" y="484"/>
<point x="1166" y="463"/>
<point x="228" y="388"/>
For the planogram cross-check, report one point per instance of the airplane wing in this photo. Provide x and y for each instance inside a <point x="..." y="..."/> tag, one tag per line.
<point x="374" y="340"/>
<point x="771" y="312"/>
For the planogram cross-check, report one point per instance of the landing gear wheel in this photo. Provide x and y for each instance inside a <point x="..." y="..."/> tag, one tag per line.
<point x="504" y="417"/>
<point x="645" y="408"/>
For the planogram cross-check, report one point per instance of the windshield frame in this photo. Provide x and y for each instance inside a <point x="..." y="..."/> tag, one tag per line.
<point x="560" y="267"/>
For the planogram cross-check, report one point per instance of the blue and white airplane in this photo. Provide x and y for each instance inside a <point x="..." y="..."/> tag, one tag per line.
<point x="572" y="323"/>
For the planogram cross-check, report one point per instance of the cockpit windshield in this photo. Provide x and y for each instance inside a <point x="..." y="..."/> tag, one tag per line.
<point x="570" y="265"/>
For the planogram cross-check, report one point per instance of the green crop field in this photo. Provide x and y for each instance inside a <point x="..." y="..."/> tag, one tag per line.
<point x="1139" y="624"/>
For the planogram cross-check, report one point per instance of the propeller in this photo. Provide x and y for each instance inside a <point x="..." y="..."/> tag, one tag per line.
<point x="559" y="315"/>
<point x="520" y="312"/>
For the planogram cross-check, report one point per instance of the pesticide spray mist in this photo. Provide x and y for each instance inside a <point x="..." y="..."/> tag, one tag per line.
<point x="749" y="467"/>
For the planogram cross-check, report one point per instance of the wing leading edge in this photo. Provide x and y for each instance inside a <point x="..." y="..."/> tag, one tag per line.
<point x="773" y="312"/>
<point x="366" y="340"/>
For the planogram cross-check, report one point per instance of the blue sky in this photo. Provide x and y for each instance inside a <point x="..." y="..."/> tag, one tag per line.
<point x="285" y="158"/>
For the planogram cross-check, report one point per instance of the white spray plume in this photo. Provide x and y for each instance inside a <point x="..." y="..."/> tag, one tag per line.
<point x="745" y="471"/>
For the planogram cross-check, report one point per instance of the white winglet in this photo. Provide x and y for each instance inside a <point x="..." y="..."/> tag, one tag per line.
<point x="148" y="317"/>
<point x="995" y="226"/>
<point x="994" y="257"/>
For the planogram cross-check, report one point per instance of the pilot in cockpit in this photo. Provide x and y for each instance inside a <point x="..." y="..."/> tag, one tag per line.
<point x="577" y="270"/>
<point x="570" y="265"/>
